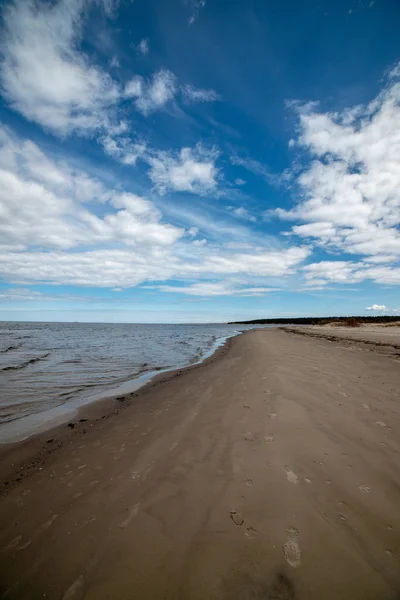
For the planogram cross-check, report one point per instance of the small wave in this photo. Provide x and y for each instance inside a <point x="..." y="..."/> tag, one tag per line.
<point x="145" y="368"/>
<point x="9" y="349"/>
<point x="27" y="363"/>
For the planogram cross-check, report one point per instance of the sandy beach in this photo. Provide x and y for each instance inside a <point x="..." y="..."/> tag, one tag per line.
<point x="270" y="471"/>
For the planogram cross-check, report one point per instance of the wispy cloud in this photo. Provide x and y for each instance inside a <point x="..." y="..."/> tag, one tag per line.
<point x="242" y="213"/>
<point x="195" y="6"/>
<point x="216" y="289"/>
<point x="123" y="148"/>
<point x="192" y="94"/>
<point x="44" y="76"/>
<point x="258" y="168"/>
<point x="150" y="95"/>
<point x="143" y="47"/>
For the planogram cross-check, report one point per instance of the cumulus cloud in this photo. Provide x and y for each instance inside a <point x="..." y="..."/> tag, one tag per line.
<point x="192" y="94"/>
<point x="338" y="271"/>
<point x="378" y="307"/>
<point x="190" y="170"/>
<point x="43" y="205"/>
<point x="151" y="94"/>
<point x="350" y="190"/>
<point x="43" y="74"/>
<point x="60" y="225"/>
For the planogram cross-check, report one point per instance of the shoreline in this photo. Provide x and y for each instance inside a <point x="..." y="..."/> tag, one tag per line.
<point x="268" y="471"/>
<point x="19" y="458"/>
<point x="24" y="428"/>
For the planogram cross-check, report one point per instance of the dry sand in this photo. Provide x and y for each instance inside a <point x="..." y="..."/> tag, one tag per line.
<point x="270" y="472"/>
<point x="386" y="335"/>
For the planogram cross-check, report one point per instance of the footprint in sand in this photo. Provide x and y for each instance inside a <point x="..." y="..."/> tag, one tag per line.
<point x="246" y="406"/>
<point x="75" y="590"/>
<point x="307" y="480"/>
<point x="248" y="482"/>
<point x="236" y="517"/>
<point x="249" y="437"/>
<point x="46" y="525"/>
<point x="291" y="548"/>
<point x="14" y="542"/>
<point x="364" y="488"/>
<point x="269" y="438"/>
<point x="132" y="513"/>
<point x="272" y="416"/>
<point x="366" y="407"/>
<point x="382" y="424"/>
<point x="291" y="475"/>
<point x="251" y="532"/>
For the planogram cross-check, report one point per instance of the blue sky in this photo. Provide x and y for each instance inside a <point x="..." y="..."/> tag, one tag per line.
<point x="199" y="160"/>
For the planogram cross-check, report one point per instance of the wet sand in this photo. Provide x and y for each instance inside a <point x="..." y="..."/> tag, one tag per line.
<point x="271" y="471"/>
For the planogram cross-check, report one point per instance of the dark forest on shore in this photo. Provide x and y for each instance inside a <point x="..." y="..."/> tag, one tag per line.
<point x="346" y="321"/>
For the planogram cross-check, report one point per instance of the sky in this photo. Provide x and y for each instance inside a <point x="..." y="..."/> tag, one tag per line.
<point x="199" y="160"/>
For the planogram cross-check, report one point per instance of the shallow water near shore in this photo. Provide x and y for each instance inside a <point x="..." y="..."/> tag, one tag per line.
<point x="47" y="370"/>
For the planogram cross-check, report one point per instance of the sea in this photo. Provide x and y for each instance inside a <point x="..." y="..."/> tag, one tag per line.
<point x="48" y="370"/>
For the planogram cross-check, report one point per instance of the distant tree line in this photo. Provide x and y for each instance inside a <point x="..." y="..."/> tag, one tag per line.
<point x="349" y="321"/>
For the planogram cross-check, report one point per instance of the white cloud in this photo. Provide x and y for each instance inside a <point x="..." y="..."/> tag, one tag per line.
<point x="196" y="6"/>
<point x="351" y="189"/>
<point x="58" y="225"/>
<point x="338" y="271"/>
<point x="43" y="74"/>
<point x="143" y="47"/>
<point x="18" y="294"/>
<point x="215" y="289"/>
<point x="122" y="148"/>
<point x="265" y="263"/>
<point x="42" y="204"/>
<point x="243" y="213"/>
<point x="383" y="308"/>
<point x="191" y="170"/>
<point x="260" y="169"/>
<point x="378" y="307"/>
<point x="153" y="94"/>
<point x="192" y="94"/>
<point x="239" y="181"/>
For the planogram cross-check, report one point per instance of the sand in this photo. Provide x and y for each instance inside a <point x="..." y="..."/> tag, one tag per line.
<point x="272" y="471"/>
